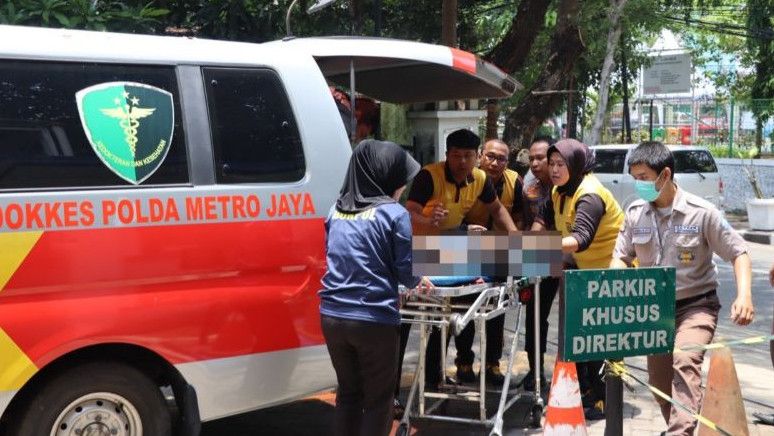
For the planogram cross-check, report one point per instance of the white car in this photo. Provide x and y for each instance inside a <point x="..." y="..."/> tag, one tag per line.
<point x="695" y="171"/>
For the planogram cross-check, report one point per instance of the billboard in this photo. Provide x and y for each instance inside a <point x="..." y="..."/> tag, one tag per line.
<point x="668" y="74"/>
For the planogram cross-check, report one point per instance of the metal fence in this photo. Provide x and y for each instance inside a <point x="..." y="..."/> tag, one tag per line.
<point x="726" y="126"/>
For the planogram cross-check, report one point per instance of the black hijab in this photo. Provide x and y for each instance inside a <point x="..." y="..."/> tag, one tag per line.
<point x="580" y="161"/>
<point x="376" y="170"/>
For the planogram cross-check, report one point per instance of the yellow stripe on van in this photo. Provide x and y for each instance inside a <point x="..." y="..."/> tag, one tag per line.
<point x="16" y="247"/>
<point x="17" y="367"/>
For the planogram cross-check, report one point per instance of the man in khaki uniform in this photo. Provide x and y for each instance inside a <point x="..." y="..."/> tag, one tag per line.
<point x="671" y="227"/>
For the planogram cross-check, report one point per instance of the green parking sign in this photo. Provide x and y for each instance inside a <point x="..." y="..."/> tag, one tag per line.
<point x="615" y="313"/>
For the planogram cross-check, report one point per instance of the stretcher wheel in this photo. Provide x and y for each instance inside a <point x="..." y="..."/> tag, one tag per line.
<point x="402" y="430"/>
<point x="536" y="414"/>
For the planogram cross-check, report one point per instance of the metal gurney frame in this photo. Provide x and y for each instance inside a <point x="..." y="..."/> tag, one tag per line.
<point x="437" y="309"/>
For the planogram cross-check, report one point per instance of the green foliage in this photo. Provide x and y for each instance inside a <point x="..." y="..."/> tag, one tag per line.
<point x="138" y="16"/>
<point x="741" y="152"/>
<point x="760" y="23"/>
<point x="394" y="125"/>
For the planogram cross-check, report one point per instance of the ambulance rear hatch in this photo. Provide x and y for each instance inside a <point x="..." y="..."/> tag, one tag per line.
<point x="399" y="71"/>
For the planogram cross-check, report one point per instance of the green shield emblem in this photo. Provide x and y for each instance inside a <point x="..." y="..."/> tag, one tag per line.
<point x="129" y="126"/>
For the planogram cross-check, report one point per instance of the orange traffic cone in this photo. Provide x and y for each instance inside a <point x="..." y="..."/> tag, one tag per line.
<point x="723" y="397"/>
<point x="565" y="413"/>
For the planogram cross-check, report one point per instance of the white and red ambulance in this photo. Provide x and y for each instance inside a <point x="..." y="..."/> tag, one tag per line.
<point x="161" y="218"/>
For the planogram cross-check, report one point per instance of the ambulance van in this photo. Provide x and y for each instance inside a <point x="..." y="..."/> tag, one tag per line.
<point x="161" y="218"/>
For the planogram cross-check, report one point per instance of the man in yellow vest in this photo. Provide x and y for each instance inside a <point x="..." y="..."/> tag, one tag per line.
<point x="441" y="196"/>
<point x="493" y="160"/>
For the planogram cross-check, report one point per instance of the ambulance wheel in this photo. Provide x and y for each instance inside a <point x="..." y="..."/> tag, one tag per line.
<point x="402" y="430"/>
<point x="535" y="416"/>
<point x="96" y="399"/>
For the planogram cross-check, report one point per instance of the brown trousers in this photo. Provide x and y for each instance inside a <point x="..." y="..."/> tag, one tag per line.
<point x="679" y="374"/>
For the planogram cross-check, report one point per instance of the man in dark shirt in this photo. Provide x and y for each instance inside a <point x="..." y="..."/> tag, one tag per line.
<point x="536" y="193"/>
<point x="441" y="196"/>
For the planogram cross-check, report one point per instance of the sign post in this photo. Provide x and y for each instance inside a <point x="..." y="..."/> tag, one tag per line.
<point x="615" y="313"/>
<point x="667" y="74"/>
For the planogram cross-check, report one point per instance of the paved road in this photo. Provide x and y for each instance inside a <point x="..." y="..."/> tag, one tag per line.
<point x="313" y="416"/>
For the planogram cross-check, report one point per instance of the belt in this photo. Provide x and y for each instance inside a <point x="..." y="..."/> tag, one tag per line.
<point x="695" y="298"/>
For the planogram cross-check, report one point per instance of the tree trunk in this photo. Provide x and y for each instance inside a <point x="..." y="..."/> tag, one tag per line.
<point x="626" y="125"/>
<point x="492" y="113"/>
<point x="512" y="51"/>
<point x="449" y="23"/>
<point x="377" y="18"/>
<point x="566" y="48"/>
<point x="613" y="36"/>
<point x="356" y="15"/>
<point x="758" y="136"/>
<point x="569" y="130"/>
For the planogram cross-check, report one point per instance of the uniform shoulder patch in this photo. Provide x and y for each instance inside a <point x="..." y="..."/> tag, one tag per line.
<point x="635" y="204"/>
<point x="698" y="201"/>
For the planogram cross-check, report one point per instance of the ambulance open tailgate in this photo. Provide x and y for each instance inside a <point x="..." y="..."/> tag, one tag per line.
<point x="405" y="72"/>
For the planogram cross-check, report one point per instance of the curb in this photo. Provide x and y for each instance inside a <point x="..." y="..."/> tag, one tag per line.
<point x="759" y="237"/>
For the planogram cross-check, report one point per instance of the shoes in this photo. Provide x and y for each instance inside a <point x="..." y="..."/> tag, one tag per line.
<point x="587" y="399"/>
<point x="765" y="418"/>
<point x="434" y="385"/>
<point x="494" y="376"/>
<point x="529" y="382"/>
<point x="397" y="409"/>
<point x="595" y="412"/>
<point x="465" y="374"/>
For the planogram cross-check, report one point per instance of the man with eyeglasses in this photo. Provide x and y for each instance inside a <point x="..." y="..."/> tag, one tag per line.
<point x="493" y="160"/>
<point x="442" y="194"/>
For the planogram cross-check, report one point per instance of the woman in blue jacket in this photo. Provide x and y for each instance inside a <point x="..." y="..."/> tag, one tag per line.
<point x="368" y="241"/>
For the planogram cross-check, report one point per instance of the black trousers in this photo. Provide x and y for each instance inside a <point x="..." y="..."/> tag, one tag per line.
<point x="548" y="288"/>
<point x="365" y="357"/>
<point x="432" y="358"/>
<point x="592" y="385"/>
<point x="464" y="343"/>
<point x="494" y="342"/>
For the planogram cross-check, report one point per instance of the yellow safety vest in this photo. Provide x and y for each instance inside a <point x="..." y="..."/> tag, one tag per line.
<point x="479" y="213"/>
<point x="445" y="193"/>
<point x="600" y="252"/>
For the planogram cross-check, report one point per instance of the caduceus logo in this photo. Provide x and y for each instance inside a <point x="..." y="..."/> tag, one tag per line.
<point x="128" y="116"/>
<point x="111" y="115"/>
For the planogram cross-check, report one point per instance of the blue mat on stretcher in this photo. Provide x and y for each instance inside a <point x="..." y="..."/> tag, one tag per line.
<point x="451" y="281"/>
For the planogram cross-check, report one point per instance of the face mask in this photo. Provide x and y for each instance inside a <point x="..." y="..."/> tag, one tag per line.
<point x="646" y="189"/>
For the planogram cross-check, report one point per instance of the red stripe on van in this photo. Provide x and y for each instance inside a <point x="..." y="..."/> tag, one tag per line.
<point x="188" y="292"/>
<point x="463" y="60"/>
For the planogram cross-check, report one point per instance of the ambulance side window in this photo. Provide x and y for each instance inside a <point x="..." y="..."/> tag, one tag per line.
<point x="254" y="132"/>
<point x="43" y="141"/>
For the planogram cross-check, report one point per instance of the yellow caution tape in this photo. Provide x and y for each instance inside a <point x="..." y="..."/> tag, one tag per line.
<point x="716" y="345"/>
<point x="618" y="369"/>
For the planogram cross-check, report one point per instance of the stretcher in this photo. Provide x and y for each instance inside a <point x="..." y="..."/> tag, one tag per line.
<point x="440" y="308"/>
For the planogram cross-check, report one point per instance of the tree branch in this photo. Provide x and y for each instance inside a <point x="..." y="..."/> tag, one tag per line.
<point x="512" y="51"/>
<point x="566" y="47"/>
